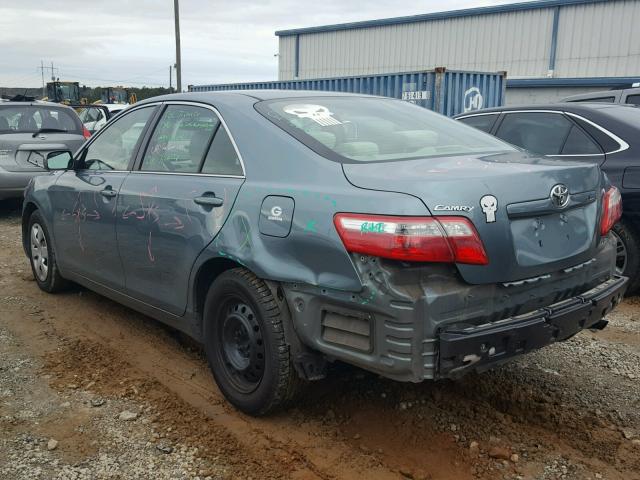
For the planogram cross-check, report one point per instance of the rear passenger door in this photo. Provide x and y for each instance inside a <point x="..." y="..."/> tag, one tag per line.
<point x="549" y="133"/>
<point x="175" y="201"/>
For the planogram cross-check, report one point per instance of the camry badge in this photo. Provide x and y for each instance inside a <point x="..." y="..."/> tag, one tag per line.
<point x="560" y="195"/>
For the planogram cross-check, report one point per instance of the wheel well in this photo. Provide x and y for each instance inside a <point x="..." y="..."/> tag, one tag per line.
<point x="206" y="275"/>
<point x="27" y="210"/>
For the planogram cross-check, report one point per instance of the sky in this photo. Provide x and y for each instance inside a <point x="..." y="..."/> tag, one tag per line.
<point x="132" y="42"/>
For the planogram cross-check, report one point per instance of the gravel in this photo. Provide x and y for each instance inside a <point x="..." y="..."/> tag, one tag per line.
<point x="47" y="435"/>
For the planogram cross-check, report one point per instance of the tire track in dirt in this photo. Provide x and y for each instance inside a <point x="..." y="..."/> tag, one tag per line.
<point x="352" y="425"/>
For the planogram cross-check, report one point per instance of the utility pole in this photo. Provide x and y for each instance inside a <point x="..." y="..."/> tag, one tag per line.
<point x="53" y="75"/>
<point x="170" y="67"/>
<point x="44" y="93"/>
<point x="176" y="11"/>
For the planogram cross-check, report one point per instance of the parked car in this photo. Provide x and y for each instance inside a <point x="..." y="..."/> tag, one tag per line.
<point x="96" y="116"/>
<point x="286" y="229"/>
<point x="606" y="134"/>
<point x="625" y="95"/>
<point x="28" y="132"/>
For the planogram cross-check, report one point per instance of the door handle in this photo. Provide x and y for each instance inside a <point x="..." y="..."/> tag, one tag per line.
<point x="209" y="200"/>
<point x="108" y="192"/>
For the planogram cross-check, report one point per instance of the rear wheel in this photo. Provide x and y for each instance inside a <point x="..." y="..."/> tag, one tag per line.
<point x="245" y="344"/>
<point x="627" y="260"/>
<point x="42" y="256"/>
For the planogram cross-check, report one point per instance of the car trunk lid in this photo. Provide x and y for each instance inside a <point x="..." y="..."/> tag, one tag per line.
<point x="23" y="152"/>
<point x="508" y="198"/>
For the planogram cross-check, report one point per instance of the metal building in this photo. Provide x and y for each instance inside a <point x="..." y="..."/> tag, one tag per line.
<point x="549" y="48"/>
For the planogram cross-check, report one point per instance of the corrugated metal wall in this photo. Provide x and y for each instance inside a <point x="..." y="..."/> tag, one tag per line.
<point x="593" y="40"/>
<point x="286" y="57"/>
<point x="599" y="40"/>
<point x="524" y="96"/>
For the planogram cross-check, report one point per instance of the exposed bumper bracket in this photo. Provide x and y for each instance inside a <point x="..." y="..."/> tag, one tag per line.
<point x="465" y="347"/>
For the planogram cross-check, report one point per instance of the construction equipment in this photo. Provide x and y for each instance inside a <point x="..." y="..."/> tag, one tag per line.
<point x="63" y="92"/>
<point x="118" y="95"/>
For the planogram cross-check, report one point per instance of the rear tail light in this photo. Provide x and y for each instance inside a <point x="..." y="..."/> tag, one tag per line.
<point x="611" y="210"/>
<point x="414" y="239"/>
<point x="85" y="133"/>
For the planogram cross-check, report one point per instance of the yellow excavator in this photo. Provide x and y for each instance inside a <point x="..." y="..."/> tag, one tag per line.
<point x="118" y="95"/>
<point x="63" y="92"/>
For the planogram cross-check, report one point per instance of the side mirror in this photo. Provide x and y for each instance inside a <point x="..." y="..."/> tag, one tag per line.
<point x="62" y="160"/>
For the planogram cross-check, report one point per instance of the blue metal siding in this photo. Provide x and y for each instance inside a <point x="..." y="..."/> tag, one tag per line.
<point x="618" y="82"/>
<point x="441" y="90"/>
<point x="554" y="40"/>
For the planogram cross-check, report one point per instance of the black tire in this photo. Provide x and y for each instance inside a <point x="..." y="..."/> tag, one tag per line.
<point x="51" y="281"/>
<point x="627" y="234"/>
<point x="245" y="344"/>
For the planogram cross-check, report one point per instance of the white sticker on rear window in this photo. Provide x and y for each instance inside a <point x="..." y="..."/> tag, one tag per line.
<point x="319" y="114"/>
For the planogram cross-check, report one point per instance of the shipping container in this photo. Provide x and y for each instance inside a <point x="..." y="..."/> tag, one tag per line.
<point x="445" y="91"/>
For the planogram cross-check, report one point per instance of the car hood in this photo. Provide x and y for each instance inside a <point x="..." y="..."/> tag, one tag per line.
<point x="507" y="196"/>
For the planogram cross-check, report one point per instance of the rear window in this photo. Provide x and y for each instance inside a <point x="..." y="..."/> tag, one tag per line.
<point x="360" y="129"/>
<point x="598" y="99"/>
<point x="31" y="118"/>
<point x="633" y="99"/>
<point x="481" y="122"/>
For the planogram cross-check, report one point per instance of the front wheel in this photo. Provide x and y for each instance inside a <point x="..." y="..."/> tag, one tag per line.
<point x="245" y="344"/>
<point x="42" y="256"/>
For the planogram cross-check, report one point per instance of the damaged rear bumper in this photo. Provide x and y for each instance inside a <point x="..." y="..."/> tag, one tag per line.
<point x="419" y="322"/>
<point x="463" y="348"/>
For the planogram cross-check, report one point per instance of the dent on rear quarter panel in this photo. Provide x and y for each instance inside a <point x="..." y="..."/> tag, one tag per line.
<point x="278" y="165"/>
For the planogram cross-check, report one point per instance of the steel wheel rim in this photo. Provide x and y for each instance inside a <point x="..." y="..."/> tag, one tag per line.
<point x="242" y="350"/>
<point x="39" y="252"/>
<point x="621" y="254"/>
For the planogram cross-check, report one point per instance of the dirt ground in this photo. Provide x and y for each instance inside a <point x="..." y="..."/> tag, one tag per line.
<point x="90" y="389"/>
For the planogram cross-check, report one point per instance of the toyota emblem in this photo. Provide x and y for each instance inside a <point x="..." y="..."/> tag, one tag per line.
<point x="560" y="195"/>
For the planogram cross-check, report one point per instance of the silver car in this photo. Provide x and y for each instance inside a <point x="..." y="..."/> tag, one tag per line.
<point x="29" y="131"/>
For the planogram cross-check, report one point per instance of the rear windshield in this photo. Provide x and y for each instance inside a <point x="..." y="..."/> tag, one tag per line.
<point x="31" y="118"/>
<point x="362" y="129"/>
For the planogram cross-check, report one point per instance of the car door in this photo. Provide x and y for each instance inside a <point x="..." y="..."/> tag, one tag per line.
<point x="84" y="201"/>
<point x="550" y="133"/>
<point x="175" y="202"/>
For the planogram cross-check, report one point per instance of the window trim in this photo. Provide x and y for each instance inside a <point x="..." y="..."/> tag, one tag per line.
<point x="622" y="144"/>
<point x="96" y="135"/>
<point x="136" y="168"/>
<point x="493" y="126"/>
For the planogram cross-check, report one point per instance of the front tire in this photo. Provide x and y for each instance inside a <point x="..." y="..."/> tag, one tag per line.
<point x="627" y="248"/>
<point x="42" y="256"/>
<point x="245" y="344"/>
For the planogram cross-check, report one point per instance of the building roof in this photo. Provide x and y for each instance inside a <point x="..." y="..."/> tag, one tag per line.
<point x="468" y="12"/>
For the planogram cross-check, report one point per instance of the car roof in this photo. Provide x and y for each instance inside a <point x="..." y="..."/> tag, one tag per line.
<point x="229" y="95"/>
<point x="574" y="107"/>
<point x="35" y="103"/>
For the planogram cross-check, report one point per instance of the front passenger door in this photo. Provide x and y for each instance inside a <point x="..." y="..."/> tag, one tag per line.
<point x="84" y="201"/>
